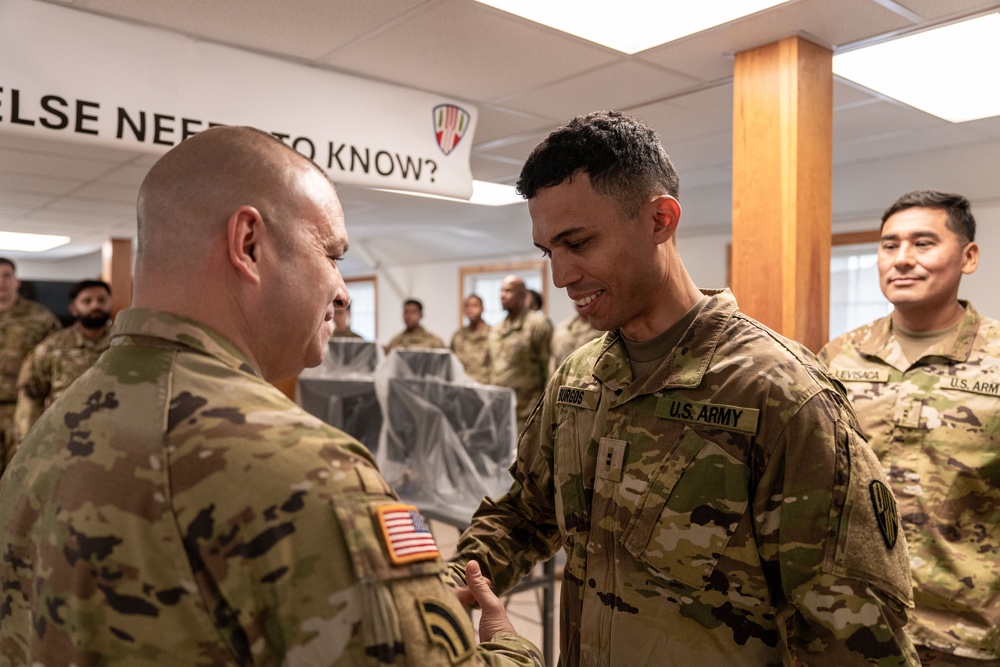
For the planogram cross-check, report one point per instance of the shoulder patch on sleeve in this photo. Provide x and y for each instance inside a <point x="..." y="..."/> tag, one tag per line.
<point x="405" y="534"/>
<point x="885" y="512"/>
<point x="444" y="629"/>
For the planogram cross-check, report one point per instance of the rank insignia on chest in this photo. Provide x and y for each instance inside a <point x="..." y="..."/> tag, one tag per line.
<point x="405" y="534"/>
<point x="886" y="513"/>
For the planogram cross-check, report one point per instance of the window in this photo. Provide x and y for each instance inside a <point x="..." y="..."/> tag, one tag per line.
<point x="363" y="301"/>
<point x="855" y="295"/>
<point x="485" y="281"/>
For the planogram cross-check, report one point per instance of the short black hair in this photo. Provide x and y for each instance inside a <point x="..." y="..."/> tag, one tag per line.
<point x="957" y="207"/>
<point x="476" y="297"/>
<point x="536" y="298"/>
<point x="87" y="284"/>
<point x="621" y="155"/>
<point x="414" y="302"/>
<point x="8" y="262"/>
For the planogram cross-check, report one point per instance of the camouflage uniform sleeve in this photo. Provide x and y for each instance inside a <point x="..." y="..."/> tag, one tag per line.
<point x="33" y="386"/>
<point x="508" y="536"/>
<point x="831" y="545"/>
<point x="315" y="577"/>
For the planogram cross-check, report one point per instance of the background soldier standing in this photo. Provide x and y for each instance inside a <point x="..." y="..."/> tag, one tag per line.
<point x="471" y="343"/>
<point x="414" y="335"/>
<point x="57" y="361"/>
<point x="520" y="348"/>
<point x="23" y="324"/>
<point x="926" y="385"/>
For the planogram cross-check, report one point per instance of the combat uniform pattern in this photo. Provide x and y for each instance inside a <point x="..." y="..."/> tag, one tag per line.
<point x="50" y="369"/>
<point x="472" y="349"/>
<point x="21" y="328"/>
<point x="935" y="425"/>
<point x="346" y="333"/>
<point x="568" y="336"/>
<point x="519" y="358"/>
<point x="176" y="509"/>
<point x="716" y="511"/>
<point x="419" y="337"/>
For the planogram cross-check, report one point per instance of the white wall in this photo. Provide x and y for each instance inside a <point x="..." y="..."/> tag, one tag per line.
<point x="83" y="267"/>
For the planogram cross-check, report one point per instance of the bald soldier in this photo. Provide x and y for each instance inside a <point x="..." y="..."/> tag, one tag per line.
<point x="519" y="348"/>
<point x="705" y="477"/>
<point x="173" y="507"/>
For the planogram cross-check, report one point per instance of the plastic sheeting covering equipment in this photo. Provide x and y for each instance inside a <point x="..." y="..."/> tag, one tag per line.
<point x="445" y="439"/>
<point x="341" y="390"/>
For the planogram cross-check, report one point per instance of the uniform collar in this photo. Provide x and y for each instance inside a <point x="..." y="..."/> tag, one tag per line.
<point x="686" y="364"/>
<point x="174" y="330"/>
<point x="882" y="344"/>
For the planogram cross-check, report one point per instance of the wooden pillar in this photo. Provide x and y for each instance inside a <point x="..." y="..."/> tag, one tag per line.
<point x="782" y="180"/>
<point x="116" y="270"/>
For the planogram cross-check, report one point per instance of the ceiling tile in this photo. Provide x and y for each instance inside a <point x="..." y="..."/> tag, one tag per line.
<point x="617" y="86"/>
<point x="471" y="51"/>
<point x="903" y="142"/>
<point x="497" y="122"/>
<point x="876" y="119"/>
<point x="309" y="30"/>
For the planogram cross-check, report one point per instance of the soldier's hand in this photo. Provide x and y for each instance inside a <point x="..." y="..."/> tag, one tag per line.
<point x="463" y="593"/>
<point x="494" y="618"/>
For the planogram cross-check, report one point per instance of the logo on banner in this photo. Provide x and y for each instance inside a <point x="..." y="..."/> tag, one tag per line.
<point x="450" y="125"/>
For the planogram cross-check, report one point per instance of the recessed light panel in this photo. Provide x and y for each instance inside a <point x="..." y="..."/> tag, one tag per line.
<point x="631" y="26"/>
<point x="30" y="242"/>
<point x="950" y="72"/>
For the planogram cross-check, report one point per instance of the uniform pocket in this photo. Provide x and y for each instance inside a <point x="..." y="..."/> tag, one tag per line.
<point x="689" y="511"/>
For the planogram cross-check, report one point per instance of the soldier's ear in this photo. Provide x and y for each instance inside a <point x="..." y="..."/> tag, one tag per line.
<point x="970" y="257"/>
<point x="244" y="231"/>
<point x="666" y="216"/>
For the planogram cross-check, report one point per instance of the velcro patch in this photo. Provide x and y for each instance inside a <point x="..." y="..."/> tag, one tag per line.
<point x="885" y="512"/>
<point x="445" y="630"/>
<point x="405" y="534"/>
<point x="578" y="396"/>
<point x="861" y="374"/>
<point x="728" y="417"/>
<point x="972" y="384"/>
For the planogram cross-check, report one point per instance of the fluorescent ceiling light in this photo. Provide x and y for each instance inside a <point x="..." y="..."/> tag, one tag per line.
<point x="484" y="193"/>
<point x="631" y="26"/>
<point x="30" y="242"/>
<point x="949" y="72"/>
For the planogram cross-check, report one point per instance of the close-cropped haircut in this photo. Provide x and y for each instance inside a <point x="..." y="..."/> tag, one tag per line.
<point x="87" y="284"/>
<point x="414" y="302"/>
<point x="622" y="157"/>
<point x="957" y="207"/>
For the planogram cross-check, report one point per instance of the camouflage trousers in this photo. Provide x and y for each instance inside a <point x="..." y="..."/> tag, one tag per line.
<point x="7" y="443"/>
<point x="931" y="658"/>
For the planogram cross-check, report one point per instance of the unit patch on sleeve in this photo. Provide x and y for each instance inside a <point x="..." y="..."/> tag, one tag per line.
<point x="444" y="629"/>
<point x="885" y="512"/>
<point x="405" y="534"/>
<point x="728" y="417"/>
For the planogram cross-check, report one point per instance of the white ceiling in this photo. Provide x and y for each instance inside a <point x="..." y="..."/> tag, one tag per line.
<point x="526" y="80"/>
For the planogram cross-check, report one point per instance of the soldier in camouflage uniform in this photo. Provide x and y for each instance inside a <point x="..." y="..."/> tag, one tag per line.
<point x="569" y="335"/>
<point x="926" y="387"/>
<point x="471" y="343"/>
<point x="173" y="507"/>
<point x="705" y="477"/>
<point x="414" y="335"/>
<point x="520" y="348"/>
<point x="23" y="325"/>
<point x="342" y="324"/>
<point x="57" y="361"/>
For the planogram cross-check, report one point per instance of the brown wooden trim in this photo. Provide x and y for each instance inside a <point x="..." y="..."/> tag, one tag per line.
<point x="854" y="238"/>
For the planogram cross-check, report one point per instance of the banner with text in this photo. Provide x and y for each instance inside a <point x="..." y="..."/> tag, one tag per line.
<point x="73" y="76"/>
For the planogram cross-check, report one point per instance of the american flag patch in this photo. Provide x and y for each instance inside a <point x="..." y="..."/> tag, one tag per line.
<point x="405" y="534"/>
